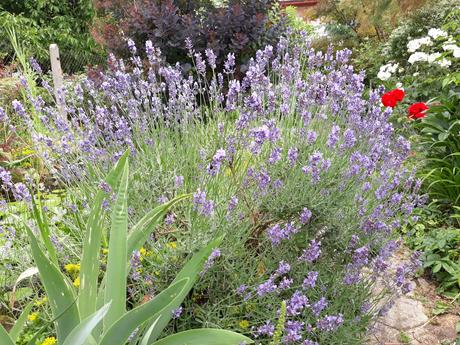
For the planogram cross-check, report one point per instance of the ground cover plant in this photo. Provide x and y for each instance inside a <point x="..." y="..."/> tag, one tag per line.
<point x="300" y="171"/>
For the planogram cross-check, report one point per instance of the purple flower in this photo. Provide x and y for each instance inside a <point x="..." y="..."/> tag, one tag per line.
<point x="293" y="154"/>
<point x="211" y="58"/>
<point x="293" y="332"/>
<point x="312" y="253"/>
<point x="230" y="63"/>
<point x="283" y="268"/>
<point x="35" y="66"/>
<point x="275" y="155"/>
<point x="132" y="46"/>
<point x="349" y="139"/>
<point x="105" y="187"/>
<point x="178" y="181"/>
<point x="310" y="280"/>
<point x="296" y="303"/>
<point x="309" y="342"/>
<point x="333" y="136"/>
<point x="176" y="313"/>
<point x="330" y="323"/>
<point x="268" y="329"/>
<point x="285" y="283"/>
<point x="21" y="192"/>
<point x="232" y="204"/>
<point x="210" y="261"/>
<point x="311" y="137"/>
<point x="305" y="216"/>
<point x="200" y="64"/>
<point x="266" y="287"/>
<point x="319" y="306"/>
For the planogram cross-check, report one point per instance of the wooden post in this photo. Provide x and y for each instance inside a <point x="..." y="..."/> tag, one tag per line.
<point x="58" y="80"/>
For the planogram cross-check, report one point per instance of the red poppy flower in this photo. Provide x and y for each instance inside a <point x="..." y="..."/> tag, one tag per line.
<point x="398" y="94"/>
<point x="417" y="110"/>
<point x="391" y="98"/>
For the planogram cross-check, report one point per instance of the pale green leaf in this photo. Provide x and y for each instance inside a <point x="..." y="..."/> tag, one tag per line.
<point x="205" y="336"/>
<point x="60" y="291"/>
<point x="20" y="322"/>
<point x="82" y="332"/>
<point x="4" y="337"/>
<point x="89" y="271"/>
<point x="115" y="291"/>
<point x="127" y="324"/>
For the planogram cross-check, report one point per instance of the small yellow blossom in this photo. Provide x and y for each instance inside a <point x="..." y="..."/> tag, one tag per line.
<point x="72" y="268"/>
<point x="27" y="151"/>
<point x="41" y="301"/>
<point x="172" y="245"/>
<point x="143" y="251"/>
<point x="157" y="273"/>
<point x="33" y="316"/>
<point x="76" y="282"/>
<point x="244" y="324"/>
<point x="105" y="251"/>
<point x="49" y="341"/>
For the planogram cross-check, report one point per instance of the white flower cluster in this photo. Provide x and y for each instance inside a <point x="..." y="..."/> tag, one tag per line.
<point x="436" y="57"/>
<point x="415" y="44"/>
<point x="436" y="33"/>
<point x="386" y="71"/>
<point x="453" y="47"/>
<point x="430" y="58"/>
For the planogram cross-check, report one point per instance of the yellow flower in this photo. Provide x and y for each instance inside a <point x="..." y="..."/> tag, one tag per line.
<point x="49" y="341"/>
<point x="27" y="151"/>
<point x="157" y="273"/>
<point x="143" y="251"/>
<point x="42" y="301"/>
<point x="105" y="251"/>
<point x="33" y="316"/>
<point x="244" y="324"/>
<point x="172" y="245"/>
<point x="76" y="282"/>
<point x="72" y="268"/>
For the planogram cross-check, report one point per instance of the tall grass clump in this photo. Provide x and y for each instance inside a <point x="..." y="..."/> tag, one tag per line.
<point x="300" y="171"/>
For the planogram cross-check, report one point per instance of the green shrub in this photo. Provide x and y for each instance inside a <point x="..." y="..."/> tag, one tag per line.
<point x="40" y="23"/>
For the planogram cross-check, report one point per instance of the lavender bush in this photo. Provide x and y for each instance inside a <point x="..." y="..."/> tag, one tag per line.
<point x="300" y="171"/>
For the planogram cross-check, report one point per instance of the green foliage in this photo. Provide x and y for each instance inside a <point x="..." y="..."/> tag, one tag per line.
<point x="40" y="23"/>
<point x="441" y="143"/>
<point x="75" y="328"/>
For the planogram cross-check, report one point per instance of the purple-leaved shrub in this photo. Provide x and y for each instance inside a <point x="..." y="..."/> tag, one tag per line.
<point x="294" y="164"/>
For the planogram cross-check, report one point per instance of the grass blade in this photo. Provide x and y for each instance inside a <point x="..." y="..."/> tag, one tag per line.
<point x="20" y="322"/>
<point x="58" y="288"/>
<point x="4" y="337"/>
<point x="116" y="260"/>
<point x="127" y="324"/>
<point x="89" y="271"/>
<point x="82" y="332"/>
<point x="206" y="336"/>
